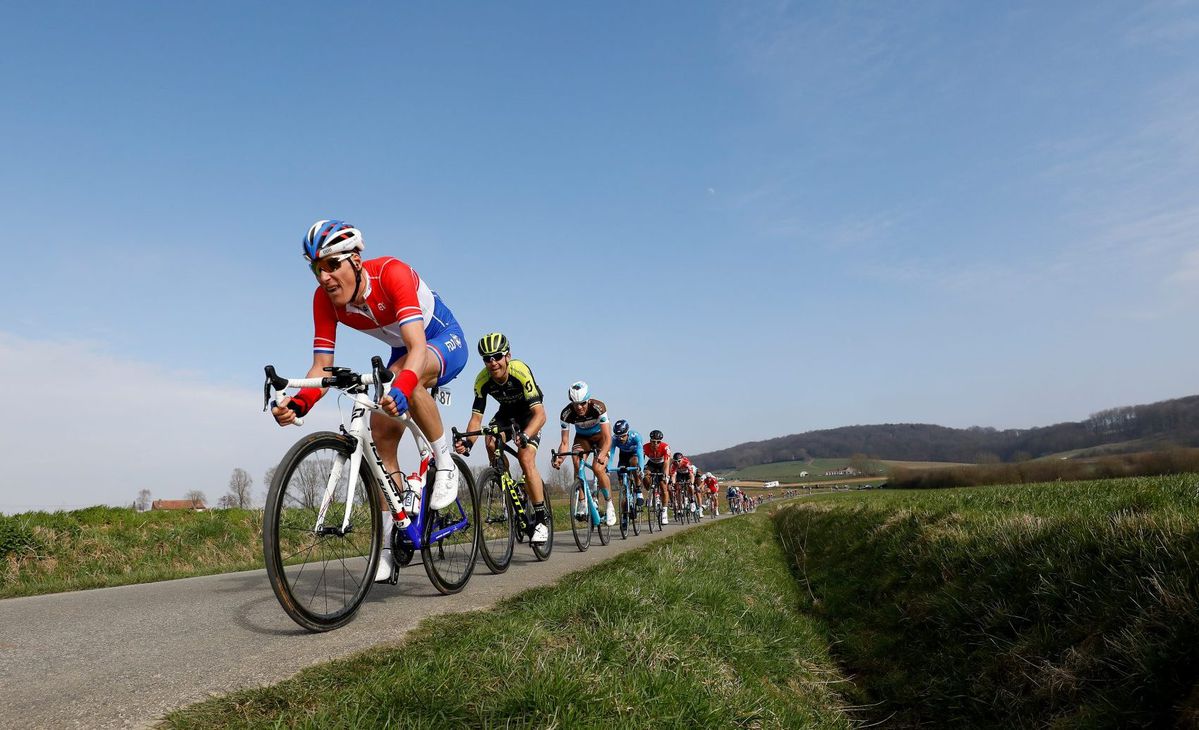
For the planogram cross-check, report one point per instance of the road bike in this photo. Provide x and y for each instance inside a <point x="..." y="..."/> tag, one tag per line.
<point x="505" y="510"/>
<point x="629" y="512"/>
<point x="654" y="511"/>
<point x="322" y="527"/>
<point x="584" y="522"/>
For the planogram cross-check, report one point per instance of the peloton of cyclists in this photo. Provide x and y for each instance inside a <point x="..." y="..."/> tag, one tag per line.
<point x="385" y="298"/>
<point x="589" y="416"/>
<point x="513" y="386"/>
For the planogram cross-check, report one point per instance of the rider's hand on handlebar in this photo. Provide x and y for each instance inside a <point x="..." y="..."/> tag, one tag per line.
<point x="601" y="459"/>
<point x="393" y="402"/>
<point x="462" y="446"/>
<point x="284" y="416"/>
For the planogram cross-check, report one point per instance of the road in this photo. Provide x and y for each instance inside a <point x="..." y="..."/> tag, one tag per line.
<point x="124" y="657"/>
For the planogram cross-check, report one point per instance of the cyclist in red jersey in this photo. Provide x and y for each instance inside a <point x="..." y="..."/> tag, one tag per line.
<point x="683" y="478"/>
<point x="712" y="486"/>
<point x="385" y="298"/>
<point x="657" y="461"/>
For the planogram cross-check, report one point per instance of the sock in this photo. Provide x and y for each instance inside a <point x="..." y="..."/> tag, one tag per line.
<point x="539" y="511"/>
<point x="441" y="453"/>
<point x="605" y="493"/>
<point x="388" y="522"/>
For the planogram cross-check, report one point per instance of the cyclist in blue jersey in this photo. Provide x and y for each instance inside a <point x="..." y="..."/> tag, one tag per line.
<point x="589" y="416"/>
<point x="628" y="443"/>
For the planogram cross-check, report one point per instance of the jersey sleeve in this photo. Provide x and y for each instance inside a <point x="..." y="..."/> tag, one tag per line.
<point x="480" y="397"/>
<point x="324" y="324"/>
<point x="528" y="384"/>
<point x="602" y="409"/>
<point x="563" y="416"/>
<point x="400" y="283"/>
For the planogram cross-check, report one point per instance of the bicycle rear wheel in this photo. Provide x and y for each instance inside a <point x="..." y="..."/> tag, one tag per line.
<point x="634" y="513"/>
<point x="543" y="550"/>
<point x="497" y="521"/>
<point x="450" y="558"/>
<point x="321" y="578"/>
<point x="624" y="509"/>
<point x="580" y="526"/>
<point x="651" y="509"/>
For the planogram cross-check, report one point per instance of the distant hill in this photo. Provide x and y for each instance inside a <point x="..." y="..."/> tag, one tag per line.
<point x="1156" y="425"/>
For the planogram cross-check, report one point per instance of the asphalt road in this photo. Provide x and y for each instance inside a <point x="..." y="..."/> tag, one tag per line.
<point x="124" y="657"/>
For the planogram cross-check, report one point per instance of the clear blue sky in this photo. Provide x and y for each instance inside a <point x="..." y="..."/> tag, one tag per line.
<point x="735" y="220"/>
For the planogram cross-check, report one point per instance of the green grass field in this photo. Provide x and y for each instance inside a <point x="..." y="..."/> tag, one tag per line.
<point x="697" y="630"/>
<point x="789" y="471"/>
<point x="1065" y="604"/>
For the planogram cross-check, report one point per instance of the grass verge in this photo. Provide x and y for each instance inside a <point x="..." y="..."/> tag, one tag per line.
<point x="695" y="630"/>
<point x="1072" y="605"/>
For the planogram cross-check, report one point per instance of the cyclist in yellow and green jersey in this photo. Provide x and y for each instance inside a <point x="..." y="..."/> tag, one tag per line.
<point x="511" y="383"/>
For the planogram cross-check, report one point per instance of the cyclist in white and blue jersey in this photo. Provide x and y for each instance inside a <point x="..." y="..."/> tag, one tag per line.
<point x="589" y="417"/>
<point x="628" y="443"/>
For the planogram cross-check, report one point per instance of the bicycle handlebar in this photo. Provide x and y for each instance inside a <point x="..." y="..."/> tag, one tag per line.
<point x="340" y="378"/>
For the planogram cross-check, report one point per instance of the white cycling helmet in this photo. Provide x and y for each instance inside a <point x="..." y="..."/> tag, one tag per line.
<point x="579" y="392"/>
<point x="331" y="237"/>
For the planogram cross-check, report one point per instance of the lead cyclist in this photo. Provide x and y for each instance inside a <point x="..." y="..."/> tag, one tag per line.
<point x="386" y="299"/>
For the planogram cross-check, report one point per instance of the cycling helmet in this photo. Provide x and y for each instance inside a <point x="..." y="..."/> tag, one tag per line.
<point x="655" y="435"/>
<point x="493" y="344"/>
<point x="677" y="455"/>
<point x="579" y="392"/>
<point x="621" y="427"/>
<point x="331" y="237"/>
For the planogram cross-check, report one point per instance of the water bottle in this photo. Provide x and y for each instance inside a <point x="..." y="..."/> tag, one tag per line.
<point x="412" y="494"/>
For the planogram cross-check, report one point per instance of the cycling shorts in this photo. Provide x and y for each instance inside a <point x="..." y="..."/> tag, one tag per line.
<point x="656" y="467"/>
<point x="448" y="345"/>
<point x="627" y="458"/>
<point x="520" y="419"/>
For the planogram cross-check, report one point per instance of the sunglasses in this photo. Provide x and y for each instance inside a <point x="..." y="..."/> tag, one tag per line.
<point x="328" y="265"/>
<point x="494" y="358"/>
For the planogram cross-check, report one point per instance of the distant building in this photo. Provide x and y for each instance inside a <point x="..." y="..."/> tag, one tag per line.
<point x="848" y="471"/>
<point x="196" y="505"/>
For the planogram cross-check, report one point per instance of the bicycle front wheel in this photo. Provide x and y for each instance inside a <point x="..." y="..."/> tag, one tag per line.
<point x="624" y="509"/>
<point x="450" y="536"/>
<point x="498" y="527"/>
<point x="604" y="530"/>
<point x="580" y="516"/>
<point x="321" y="574"/>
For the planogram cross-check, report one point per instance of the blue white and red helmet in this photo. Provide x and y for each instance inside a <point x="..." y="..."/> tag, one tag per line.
<point x="331" y="237"/>
<point x="579" y="392"/>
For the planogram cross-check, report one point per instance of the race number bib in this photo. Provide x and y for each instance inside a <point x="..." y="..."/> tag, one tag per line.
<point x="443" y="396"/>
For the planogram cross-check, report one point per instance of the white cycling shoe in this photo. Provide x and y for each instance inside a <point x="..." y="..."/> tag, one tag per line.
<point x="445" y="488"/>
<point x="541" y="534"/>
<point x="386" y="565"/>
<point x="611" y="516"/>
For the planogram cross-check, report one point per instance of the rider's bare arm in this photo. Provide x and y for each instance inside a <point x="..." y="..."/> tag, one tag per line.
<point x="413" y="334"/>
<point x="284" y="416"/>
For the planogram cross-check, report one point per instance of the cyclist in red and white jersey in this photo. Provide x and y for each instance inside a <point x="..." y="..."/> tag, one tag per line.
<point x="657" y="461"/>
<point x="386" y="299"/>
<point x="684" y="479"/>
<point x="712" y="487"/>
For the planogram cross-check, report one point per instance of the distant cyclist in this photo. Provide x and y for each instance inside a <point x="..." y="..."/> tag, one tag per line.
<point x="384" y="298"/>
<point x="589" y="417"/>
<point x="512" y="385"/>
<point x="684" y="480"/>
<point x="657" y="462"/>
<point x="627" y="442"/>
<point x="711" y="489"/>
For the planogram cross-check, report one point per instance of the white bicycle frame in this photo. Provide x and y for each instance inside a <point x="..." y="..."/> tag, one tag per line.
<point x="359" y="430"/>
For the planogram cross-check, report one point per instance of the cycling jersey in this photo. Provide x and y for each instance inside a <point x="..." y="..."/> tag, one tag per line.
<point x="588" y="424"/>
<point x="656" y="453"/>
<point x="631" y="446"/>
<point x="683" y="469"/>
<point x="516" y="395"/>
<point x="395" y="296"/>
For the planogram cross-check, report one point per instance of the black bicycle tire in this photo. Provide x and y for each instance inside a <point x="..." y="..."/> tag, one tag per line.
<point x="603" y="529"/>
<point x="576" y="526"/>
<point x="490" y="486"/>
<point x="624" y="511"/>
<point x="542" y="551"/>
<point x="440" y="582"/>
<point x="272" y="555"/>
<point x="633" y="512"/>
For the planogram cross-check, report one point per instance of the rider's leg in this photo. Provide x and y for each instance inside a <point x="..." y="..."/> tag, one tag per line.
<point x="601" y="478"/>
<point x="424" y="411"/>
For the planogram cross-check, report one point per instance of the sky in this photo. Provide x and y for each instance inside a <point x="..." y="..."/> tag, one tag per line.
<point x="735" y="220"/>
